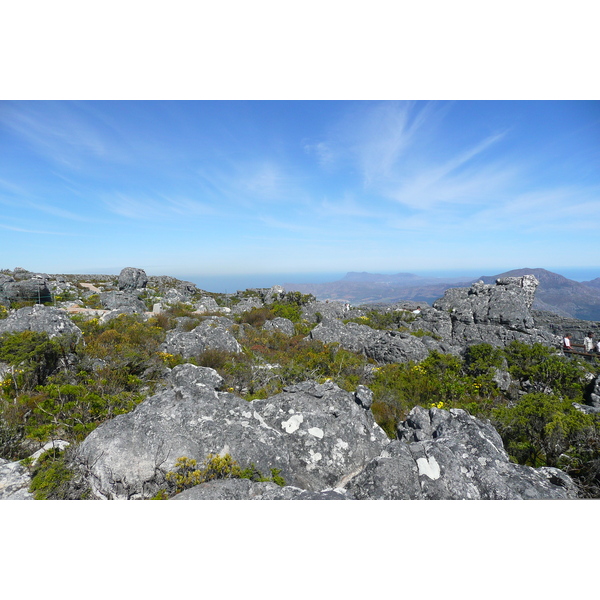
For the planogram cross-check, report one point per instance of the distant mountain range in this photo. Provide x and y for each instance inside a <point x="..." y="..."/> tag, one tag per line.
<point x="555" y="293"/>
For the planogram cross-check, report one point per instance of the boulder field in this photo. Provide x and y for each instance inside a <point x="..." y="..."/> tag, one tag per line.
<point x="321" y="440"/>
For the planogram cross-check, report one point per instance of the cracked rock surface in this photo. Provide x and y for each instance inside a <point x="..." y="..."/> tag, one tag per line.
<point x="451" y="455"/>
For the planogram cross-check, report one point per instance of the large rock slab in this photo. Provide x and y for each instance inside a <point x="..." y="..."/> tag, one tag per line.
<point x="54" y="321"/>
<point x="451" y="455"/>
<point x="211" y="334"/>
<point x="317" y="435"/>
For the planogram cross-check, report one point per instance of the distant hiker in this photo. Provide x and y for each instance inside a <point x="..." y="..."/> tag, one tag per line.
<point x="417" y="311"/>
<point x="588" y="342"/>
<point x="567" y="343"/>
<point x="346" y="307"/>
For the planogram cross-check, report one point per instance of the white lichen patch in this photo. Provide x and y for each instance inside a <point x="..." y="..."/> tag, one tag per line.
<point x="482" y="461"/>
<point x="429" y="467"/>
<point x="292" y="424"/>
<point x="341" y="444"/>
<point x="313" y="459"/>
<point x="247" y="415"/>
<point x="316" y="432"/>
<point x="315" y="456"/>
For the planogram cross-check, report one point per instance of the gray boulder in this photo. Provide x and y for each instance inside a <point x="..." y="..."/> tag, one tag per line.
<point x="397" y="347"/>
<point x="274" y="294"/>
<point x="176" y="296"/>
<point x="211" y="334"/>
<point x="208" y="304"/>
<point x="451" y="455"/>
<point x="351" y="336"/>
<point x="34" y="289"/>
<point x="317" y="435"/>
<point x="190" y="376"/>
<point x="131" y="278"/>
<point x="314" y="312"/>
<point x="280" y="324"/>
<point x="54" y="321"/>
<point x="247" y="304"/>
<point x="122" y="299"/>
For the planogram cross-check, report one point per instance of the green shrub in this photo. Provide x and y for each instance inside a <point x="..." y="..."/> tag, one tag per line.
<point x="541" y="428"/>
<point x="544" y="368"/>
<point x="35" y="354"/>
<point x="51" y="476"/>
<point x="11" y="439"/>
<point x="481" y="359"/>
<point x="256" y="317"/>
<point x="188" y="474"/>
<point x="396" y="320"/>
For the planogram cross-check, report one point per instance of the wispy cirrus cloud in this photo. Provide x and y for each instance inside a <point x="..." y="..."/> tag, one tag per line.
<point x="58" y="132"/>
<point x="564" y="209"/>
<point x="41" y="232"/>
<point x="148" y="208"/>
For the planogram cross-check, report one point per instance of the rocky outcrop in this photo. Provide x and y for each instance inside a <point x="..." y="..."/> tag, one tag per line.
<point x="208" y="304"/>
<point x="123" y="299"/>
<point x="246" y="304"/>
<point x="323" y="439"/>
<point x="54" y="321"/>
<point x="317" y="435"/>
<point x="211" y="334"/>
<point x="496" y="314"/>
<point x="397" y="347"/>
<point x="559" y="326"/>
<point x="381" y="346"/>
<point x="450" y="455"/>
<point x="34" y="289"/>
<point x="322" y="311"/>
<point x="351" y="336"/>
<point x="281" y="324"/>
<point x="131" y="278"/>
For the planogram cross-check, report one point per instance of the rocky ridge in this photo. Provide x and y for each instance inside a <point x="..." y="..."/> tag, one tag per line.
<point x="323" y="440"/>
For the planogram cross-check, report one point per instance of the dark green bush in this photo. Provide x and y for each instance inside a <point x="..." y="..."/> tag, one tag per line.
<point x="51" y="476"/>
<point x="541" y="428"/>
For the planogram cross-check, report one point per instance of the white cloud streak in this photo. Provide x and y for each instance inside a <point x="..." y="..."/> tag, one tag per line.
<point x="148" y="209"/>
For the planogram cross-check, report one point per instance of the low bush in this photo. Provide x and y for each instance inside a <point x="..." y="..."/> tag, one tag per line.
<point x="188" y="474"/>
<point x="51" y="476"/>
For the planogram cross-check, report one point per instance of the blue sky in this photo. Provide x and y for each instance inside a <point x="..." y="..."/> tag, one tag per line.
<point x="299" y="190"/>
